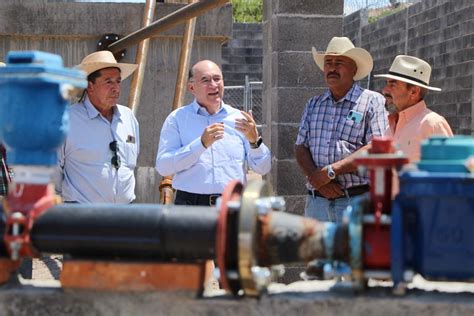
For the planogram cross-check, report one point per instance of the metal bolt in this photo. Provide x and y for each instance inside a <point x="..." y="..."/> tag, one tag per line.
<point x="234" y="205"/>
<point x="116" y="37"/>
<point x="408" y="275"/>
<point x="123" y="54"/>
<point x="361" y="169"/>
<point x="106" y="37"/>
<point x="278" y="203"/>
<point x="15" y="248"/>
<point x="100" y="43"/>
<point x="263" y="205"/>
<point x="277" y="271"/>
<point x="261" y="276"/>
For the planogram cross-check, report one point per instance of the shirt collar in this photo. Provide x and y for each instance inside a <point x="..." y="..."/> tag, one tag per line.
<point x="352" y="95"/>
<point x="92" y="112"/>
<point x="413" y="110"/>
<point x="202" y="110"/>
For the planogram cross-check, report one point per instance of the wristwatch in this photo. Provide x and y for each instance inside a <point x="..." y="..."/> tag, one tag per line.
<point x="257" y="143"/>
<point x="331" y="173"/>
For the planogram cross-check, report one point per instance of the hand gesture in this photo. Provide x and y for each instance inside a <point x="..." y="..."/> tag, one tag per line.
<point x="212" y="133"/>
<point x="319" y="178"/>
<point x="247" y="127"/>
<point x="331" y="190"/>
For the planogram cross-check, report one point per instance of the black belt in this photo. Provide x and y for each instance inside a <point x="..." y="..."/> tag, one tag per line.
<point x="352" y="191"/>
<point x="188" y="198"/>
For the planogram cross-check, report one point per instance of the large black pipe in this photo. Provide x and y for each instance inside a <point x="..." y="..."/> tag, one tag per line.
<point x="139" y="231"/>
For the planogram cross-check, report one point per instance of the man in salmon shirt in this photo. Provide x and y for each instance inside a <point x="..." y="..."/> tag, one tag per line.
<point x="407" y="83"/>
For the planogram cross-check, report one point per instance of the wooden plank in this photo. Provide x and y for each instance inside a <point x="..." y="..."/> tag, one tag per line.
<point x="131" y="276"/>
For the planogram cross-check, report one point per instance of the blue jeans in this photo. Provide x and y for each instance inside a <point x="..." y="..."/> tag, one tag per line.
<point x="325" y="210"/>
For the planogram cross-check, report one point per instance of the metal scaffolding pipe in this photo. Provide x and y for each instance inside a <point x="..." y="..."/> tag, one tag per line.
<point x="141" y="58"/>
<point x="177" y="17"/>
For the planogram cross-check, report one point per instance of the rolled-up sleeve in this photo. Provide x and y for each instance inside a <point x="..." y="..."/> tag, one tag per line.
<point x="302" y="137"/>
<point x="378" y="122"/>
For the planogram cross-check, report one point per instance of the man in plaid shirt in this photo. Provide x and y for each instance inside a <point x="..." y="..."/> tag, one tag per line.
<point x="336" y="125"/>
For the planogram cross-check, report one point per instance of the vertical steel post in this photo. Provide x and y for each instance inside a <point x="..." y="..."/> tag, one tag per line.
<point x="140" y="59"/>
<point x="184" y="60"/>
<point x="166" y="190"/>
<point x="246" y="94"/>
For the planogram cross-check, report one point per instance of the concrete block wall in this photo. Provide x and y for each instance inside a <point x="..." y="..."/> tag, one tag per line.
<point x="290" y="78"/>
<point x="243" y="54"/>
<point x="438" y="31"/>
<point x="72" y="30"/>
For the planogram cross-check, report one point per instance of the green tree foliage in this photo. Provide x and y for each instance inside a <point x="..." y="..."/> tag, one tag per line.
<point x="247" y="11"/>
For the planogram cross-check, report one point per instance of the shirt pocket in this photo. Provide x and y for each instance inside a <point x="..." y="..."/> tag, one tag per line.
<point x="351" y="131"/>
<point x="131" y="154"/>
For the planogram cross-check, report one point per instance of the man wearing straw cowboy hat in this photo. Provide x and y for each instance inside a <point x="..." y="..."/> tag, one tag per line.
<point x="334" y="126"/>
<point x="407" y="83"/>
<point x="97" y="160"/>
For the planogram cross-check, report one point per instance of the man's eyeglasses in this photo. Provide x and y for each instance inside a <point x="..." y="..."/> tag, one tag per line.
<point x="115" y="161"/>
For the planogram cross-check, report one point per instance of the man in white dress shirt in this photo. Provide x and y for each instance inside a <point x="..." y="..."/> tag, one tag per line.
<point x="97" y="160"/>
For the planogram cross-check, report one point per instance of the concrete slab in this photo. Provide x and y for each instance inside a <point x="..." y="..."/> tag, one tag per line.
<point x="299" y="298"/>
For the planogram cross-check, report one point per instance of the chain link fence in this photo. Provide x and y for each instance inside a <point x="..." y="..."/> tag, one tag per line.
<point x="247" y="97"/>
<point x="377" y="8"/>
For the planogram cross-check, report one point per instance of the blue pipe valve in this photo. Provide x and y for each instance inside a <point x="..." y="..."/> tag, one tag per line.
<point x="33" y="116"/>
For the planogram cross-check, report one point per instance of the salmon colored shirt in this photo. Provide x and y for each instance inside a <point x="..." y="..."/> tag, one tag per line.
<point x="414" y="125"/>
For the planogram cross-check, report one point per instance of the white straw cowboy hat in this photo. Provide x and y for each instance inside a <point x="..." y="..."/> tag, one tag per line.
<point x="342" y="46"/>
<point x="105" y="59"/>
<point x="2" y="64"/>
<point x="411" y="70"/>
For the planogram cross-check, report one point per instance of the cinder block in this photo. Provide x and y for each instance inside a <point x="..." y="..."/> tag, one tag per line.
<point x="295" y="204"/>
<point x="290" y="103"/>
<point x="294" y="69"/>
<point x="324" y="7"/>
<point x="283" y="140"/>
<point x="308" y="34"/>
<point x="464" y="109"/>
<point x="291" y="180"/>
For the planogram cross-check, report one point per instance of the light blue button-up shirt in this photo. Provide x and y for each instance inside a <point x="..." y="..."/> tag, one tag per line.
<point x="197" y="169"/>
<point x="85" y="173"/>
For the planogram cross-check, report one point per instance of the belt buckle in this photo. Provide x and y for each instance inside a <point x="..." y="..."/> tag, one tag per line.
<point x="213" y="199"/>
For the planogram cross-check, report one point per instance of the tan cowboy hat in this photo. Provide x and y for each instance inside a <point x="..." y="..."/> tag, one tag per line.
<point x="105" y="59"/>
<point x="411" y="70"/>
<point x="342" y="46"/>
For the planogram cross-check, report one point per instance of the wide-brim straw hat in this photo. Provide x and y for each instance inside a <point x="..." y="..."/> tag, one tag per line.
<point x="2" y="64"/>
<point x="342" y="46"/>
<point x="105" y="59"/>
<point x="411" y="70"/>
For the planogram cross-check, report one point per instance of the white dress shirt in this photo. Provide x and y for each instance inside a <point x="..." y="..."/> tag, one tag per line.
<point x="197" y="169"/>
<point x="85" y="173"/>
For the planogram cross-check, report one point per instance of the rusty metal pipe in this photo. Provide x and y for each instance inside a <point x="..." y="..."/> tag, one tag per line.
<point x="140" y="59"/>
<point x="166" y="191"/>
<point x="288" y="238"/>
<point x="179" y="16"/>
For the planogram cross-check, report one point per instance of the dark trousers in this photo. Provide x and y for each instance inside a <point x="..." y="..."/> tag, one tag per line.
<point x="188" y="198"/>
